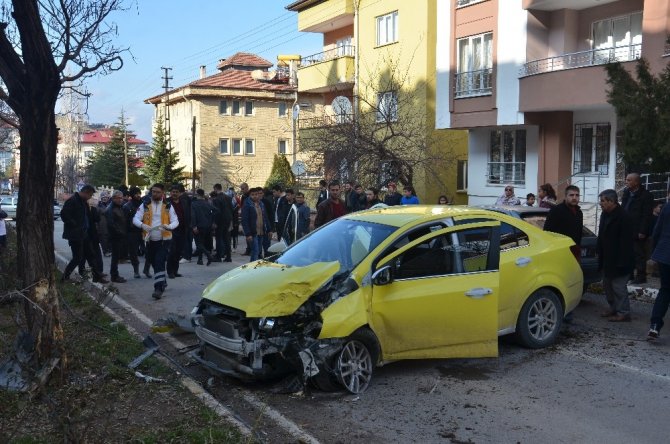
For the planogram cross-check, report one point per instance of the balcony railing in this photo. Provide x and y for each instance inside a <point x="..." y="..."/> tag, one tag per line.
<point x="582" y="59"/>
<point x="323" y="121"/>
<point x="474" y="83"/>
<point x="331" y="54"/>
<point x="461" y="3"/>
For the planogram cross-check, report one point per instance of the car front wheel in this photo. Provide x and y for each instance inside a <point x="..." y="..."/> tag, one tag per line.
<point x="540" y="319"/>
<point x="356" y="360"/>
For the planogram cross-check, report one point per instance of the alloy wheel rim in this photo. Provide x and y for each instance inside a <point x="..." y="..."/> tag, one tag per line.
<point x="542" y="319"/>
<point x="354" y="367"/>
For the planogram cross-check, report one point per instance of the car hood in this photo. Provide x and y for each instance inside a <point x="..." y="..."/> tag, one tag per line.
<point x="263" y="289"/>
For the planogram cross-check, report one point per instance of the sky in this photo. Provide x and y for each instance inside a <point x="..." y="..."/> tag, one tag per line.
<point x="184" y="35"/>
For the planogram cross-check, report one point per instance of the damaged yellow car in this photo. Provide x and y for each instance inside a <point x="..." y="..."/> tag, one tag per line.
<point x="409" y="282"/>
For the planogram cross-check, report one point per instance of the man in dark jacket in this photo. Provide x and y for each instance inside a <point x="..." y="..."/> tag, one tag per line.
<point x="615" y="255"/>
<point x="392" y="196"/>
<point x="323" y="192"/>
<point x="566" y="218"/>
<point x="332" y="208"/>
<point x="178" y="234"/>
<point x="639" y="204"/>
<point x="224" y="223"/>
<point x="202" y="221"/>
<point x="186" y="200"/>
<point x="133" y="233"/>
<point x="75" y="217"/>
<point x="255" y="222"/>
<point x="280" y="207"/>
<point x="117" y="233"/>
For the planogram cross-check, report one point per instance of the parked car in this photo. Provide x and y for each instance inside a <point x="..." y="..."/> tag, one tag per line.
<point x="56" y="210"/>
<point x="371" y="287"/>
<point x="589" y="244"/>
<point x="8" y="204"/>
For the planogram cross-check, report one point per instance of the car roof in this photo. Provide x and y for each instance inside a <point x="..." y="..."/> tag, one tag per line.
<point x="402" y="215"/>
<point x="517" y="210"/>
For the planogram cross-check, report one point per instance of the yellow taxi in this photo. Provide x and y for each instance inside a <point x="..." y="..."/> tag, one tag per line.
<point x="408" y="282"/>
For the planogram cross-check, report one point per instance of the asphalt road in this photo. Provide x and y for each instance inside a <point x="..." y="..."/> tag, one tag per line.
<point x="601" y="382"/>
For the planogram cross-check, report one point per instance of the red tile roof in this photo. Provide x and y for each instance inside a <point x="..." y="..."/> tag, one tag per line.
<point x="244" y="59"/>
<point x="104" y="136"/>
<point x="240" y="79"/>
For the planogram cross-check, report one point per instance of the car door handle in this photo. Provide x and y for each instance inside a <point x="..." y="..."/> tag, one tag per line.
<point x="523" y="261"/>
<point x="478" y="293"/>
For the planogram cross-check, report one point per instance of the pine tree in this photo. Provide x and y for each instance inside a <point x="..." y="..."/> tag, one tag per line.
<point x="642" y="107"/>
<point x="107" y="164"/>
<point x="161" y="165"/>
<point x="281" y="173"/>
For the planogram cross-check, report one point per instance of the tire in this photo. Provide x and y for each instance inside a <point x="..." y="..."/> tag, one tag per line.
<point x="354" y="364"/>
<point x="540" y="319"/>
<point x="325" y="380"/>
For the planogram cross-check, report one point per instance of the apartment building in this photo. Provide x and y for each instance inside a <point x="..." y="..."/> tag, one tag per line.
<point x="240" y="118"/>
<point x="526" y="78"/>
<point x="368" y="45"/>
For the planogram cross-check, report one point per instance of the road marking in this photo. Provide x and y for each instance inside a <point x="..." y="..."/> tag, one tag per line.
<point x="626" y="367"/>
<point x="282" y="421"/>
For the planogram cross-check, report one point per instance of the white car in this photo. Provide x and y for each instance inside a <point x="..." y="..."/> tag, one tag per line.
<point x="8" y="205"/>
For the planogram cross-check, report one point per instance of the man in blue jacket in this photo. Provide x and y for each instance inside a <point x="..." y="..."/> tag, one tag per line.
<point x="255" y="223"/>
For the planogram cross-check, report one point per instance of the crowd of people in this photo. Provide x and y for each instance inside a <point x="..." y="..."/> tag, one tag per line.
<point x="630" y="233"/>
<point x="163" y="228"/>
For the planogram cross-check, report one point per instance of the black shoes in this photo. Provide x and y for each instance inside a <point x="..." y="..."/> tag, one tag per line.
<point x="200" y="262"/>
<point x="118" y="280"/>
<point x="100" y="280"/>
<point x="171" y="276"/>
<point x="157" y="294"/>
<point x="228" y="259"/>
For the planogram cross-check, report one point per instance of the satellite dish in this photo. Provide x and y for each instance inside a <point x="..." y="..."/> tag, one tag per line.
<point x="299" y="168"/>
<point x="342" y="108"/>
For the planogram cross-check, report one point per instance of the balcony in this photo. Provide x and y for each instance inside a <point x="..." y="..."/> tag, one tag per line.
<point x="327" y="71"/>
<point x="582" y="59"/>
<point x="326" y="16"/>
<point x="474" y="83"/>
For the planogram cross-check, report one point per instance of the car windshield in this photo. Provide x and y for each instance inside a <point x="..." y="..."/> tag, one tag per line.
<point x="344" y="240"/>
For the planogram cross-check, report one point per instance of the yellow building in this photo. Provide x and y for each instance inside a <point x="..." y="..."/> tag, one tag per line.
<point x="242" y="117"/>
<point x="378" y="67"/>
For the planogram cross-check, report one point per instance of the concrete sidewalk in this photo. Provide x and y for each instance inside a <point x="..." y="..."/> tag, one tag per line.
<point x="182" y="293"/>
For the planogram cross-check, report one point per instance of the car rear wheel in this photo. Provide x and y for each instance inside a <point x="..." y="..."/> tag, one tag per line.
<point x="540" y="319"/>
<point x="356" y="361"/>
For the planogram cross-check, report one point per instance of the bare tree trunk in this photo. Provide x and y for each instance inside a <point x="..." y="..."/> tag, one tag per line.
<point x="39" y="137"/>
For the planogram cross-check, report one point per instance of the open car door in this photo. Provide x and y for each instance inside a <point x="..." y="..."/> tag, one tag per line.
<point x="437" y="296"/>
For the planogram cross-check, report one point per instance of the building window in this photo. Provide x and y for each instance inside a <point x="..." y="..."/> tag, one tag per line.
<point x="223" y="107"/>
<point x="507" y="157"/>
<point x="592" y="148"/>
<point x="249" y="149"/>
<point x="248" y="108"/>
<point x="475" y="66"/>
<point x="461" y="3"/>
<point x="387" y="28"/>
<point x="223" y="146"/>
<point x="237" y="147"/>
<point x="462" y="175"/>
<point x="236" y="107"/>
<point x="282" y="109"/>
<point x="617" y="39"/>
<point x="387" y="106"/>
<point x="282" y="147"/>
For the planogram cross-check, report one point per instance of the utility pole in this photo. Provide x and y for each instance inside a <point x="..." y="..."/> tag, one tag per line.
<point x="166" y="87"/>
<point x="125" y="146"/>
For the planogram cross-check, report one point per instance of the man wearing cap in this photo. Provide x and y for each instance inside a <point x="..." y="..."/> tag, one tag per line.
<point x="392" y="196"/>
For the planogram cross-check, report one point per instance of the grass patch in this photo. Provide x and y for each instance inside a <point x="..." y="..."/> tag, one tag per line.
<point x="101" y="400"/>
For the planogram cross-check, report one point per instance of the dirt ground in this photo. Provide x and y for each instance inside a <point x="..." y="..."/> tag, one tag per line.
<point x="99" y="399"/>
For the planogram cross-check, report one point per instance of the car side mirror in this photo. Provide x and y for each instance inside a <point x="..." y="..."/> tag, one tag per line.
<point x="383" y="276"/>
<point x="278" y="247"/>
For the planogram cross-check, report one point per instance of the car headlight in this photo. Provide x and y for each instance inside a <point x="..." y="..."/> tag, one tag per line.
<point x="266" y="324"/>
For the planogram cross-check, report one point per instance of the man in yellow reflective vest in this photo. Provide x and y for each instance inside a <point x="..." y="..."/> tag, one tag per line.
<point x="157" y="220"/>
